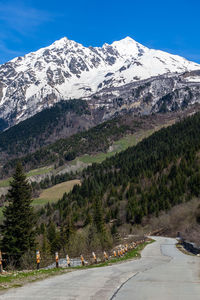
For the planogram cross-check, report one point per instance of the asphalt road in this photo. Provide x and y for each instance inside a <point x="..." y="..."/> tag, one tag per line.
<point x="163" y="273"/>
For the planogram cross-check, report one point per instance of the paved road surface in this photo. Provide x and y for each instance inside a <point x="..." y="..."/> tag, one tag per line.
<point x="163" y="273"/>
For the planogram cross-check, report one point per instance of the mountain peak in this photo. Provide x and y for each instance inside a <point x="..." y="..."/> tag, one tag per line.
<point x="64" y="42"/>
<point x="67" y="69"/>
<point x="128" y="46"/>
<point x="127" y="39"/>
<point x="60" y="42"/>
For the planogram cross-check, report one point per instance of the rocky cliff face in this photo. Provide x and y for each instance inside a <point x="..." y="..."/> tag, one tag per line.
<point x="67" y="70"/>
<point x="169" y="92"/>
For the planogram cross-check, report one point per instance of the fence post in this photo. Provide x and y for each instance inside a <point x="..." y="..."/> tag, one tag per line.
<point x="105" y="255"/>
<point x="68" y="260"/>
<point x="57" y="259"/>
<point x="1" y="265"/>
<point x="82" y="260"/>
<point x="38" y="259"/>
<point x="95" y="258"/>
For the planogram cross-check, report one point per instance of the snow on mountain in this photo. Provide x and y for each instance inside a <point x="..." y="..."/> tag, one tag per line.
<point x="67" y="69"/>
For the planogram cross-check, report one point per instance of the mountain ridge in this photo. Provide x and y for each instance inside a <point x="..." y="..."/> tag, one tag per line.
<point x="67" y="69"/>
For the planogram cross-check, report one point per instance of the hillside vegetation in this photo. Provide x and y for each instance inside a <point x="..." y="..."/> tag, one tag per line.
<point x="54" y="193"/>
<point x="95" y="141"/>
<point x="126" y="191"/>
<point x="158" y="173"/>
<point x="63" y="119"/>
<point x="48" y="195"/>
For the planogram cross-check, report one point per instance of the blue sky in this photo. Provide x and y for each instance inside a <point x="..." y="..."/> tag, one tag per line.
<point x="172" y="26"/>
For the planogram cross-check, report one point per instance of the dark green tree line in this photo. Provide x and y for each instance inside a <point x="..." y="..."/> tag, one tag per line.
<point x="19" y="219"/>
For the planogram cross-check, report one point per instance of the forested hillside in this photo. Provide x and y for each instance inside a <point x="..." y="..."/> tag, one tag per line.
<point x="160" y="172"/>
<point x="63" y="119"/>
<point x="95" y="140"/>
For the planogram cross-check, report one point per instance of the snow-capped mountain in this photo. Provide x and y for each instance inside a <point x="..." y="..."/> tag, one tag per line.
<point x="67" y="69"/>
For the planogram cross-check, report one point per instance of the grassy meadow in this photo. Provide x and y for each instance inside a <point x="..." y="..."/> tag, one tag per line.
<point x="55" y="192"/>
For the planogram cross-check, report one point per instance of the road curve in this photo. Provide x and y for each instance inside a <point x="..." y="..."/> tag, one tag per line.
<point x="163" y="273"/>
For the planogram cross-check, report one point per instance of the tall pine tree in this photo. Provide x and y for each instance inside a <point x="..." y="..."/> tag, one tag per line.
<point x="19" y="219"/>
<point x="98" y="216"/>
<point x="102" y="232"/>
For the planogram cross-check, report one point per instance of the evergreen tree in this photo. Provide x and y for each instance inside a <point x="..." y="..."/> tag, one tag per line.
<point x="54" y="238"/>
<point x="69" y="229"/>
<point x="88" y="219"/>
<point x="98" y="216"/>
<point x="51" y="235"/>
<point x="45" y="243"/>
<point x="19" y="220"/>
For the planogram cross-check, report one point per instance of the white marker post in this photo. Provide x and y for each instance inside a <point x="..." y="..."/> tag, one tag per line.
<point x="95" y="258"/>
<point x="68" y="260"/>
